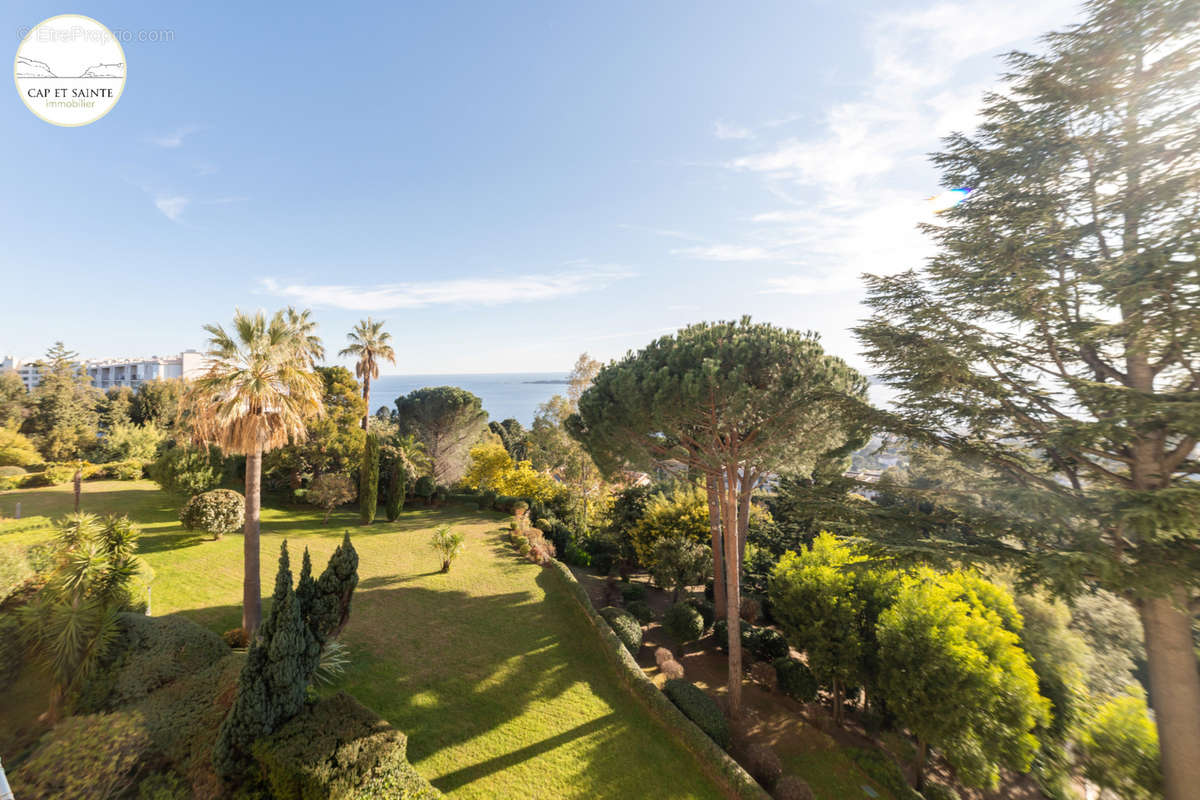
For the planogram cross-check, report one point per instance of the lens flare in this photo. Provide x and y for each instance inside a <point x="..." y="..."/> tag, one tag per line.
<point x="947" y="199"/>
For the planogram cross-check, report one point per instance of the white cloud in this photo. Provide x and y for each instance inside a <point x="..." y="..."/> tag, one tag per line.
<point x="174" y="139"/>
<point x="488" y="291"/>
<point x="725" y="130"/>
<point x="725" y="252"/>
<point x="171" y="206"/>
<point x="854" y="188"/>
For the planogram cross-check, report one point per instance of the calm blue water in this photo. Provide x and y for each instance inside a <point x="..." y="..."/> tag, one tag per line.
<point x="504" y="395"/>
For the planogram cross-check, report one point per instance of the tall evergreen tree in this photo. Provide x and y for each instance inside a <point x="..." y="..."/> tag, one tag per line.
<point x="368" y="480"/>
<point x="63" y="421"/>
<point x="1056" y="334"/>
<point x="448" y="421"/>
<point x="397" y="484"/>
<point x="733" y="401"/>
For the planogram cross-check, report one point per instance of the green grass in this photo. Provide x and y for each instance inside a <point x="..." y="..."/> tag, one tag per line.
<point x="491" y="670"/>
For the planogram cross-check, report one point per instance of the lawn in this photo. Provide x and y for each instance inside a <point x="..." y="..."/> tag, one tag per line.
<point x="491" y="670"/>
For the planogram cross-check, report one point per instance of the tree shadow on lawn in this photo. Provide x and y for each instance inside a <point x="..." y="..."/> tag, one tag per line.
<point x="502" y="680"/>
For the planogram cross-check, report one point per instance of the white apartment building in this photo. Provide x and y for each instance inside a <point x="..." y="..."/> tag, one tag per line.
<point x="109" y="373"/>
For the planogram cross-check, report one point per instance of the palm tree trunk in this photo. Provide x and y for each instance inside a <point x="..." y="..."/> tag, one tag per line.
<point x="251" y="584"/>
<point x="366" y="398"/>
<point x="1174" y="690"/>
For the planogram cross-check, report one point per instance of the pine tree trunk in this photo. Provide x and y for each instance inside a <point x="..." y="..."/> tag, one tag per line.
<point x="922" y="757"/>
<point x="366" y="399"/>
<point x="732" y="595"/>
<point x="251" y="586"/>
<point x="714" y="526"/>
<point x="1175" y="690"/>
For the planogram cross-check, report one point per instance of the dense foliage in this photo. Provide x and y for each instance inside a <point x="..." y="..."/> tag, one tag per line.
<point x="1055" y="335"/>
<point x="448" y="421"/>
<point x="331" y="490"/>
<point x="368" y="481"/>
<point x="626" y="626"/>
<point x="699" y="708"/>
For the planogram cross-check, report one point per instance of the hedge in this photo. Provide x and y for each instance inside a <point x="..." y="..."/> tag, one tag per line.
<point x="626" y="626"/>
<point x="700" y="709"/>
<point x="93" y="755"/>
<point x="715" y="761"/>
<point x="337" y="748"/>
<point x="152" y="652"/>
<point x="770" y="644"/>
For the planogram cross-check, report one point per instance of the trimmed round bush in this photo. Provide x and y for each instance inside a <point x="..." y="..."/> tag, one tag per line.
<point x="707" y="612"/>
<point x="626" y="626"/>
<point x="236" y="638"/>
<point x="218" y="512"/>
<point x="721" y="634"/>
<point x="633" y="592"/>
<point x="763" y="764"/>
<point x="769" y="644"/>
<point x="700" y="709"/>
<point x="672" y="669"/>
<point x="11" y="472"/>
<point x="640" y="609"/>
<point x="795" y="679"/>
<point x="684" y="622"/>
<point x="790" y="787"/>
<point x="662" y="655"/>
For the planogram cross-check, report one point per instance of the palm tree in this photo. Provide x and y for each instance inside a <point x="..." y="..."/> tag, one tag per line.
<point x="307" y="330"/>
<point x="258" y="393"/>
<point x="369" y="344"/>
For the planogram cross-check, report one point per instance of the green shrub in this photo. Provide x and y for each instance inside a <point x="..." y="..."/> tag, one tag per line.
<point x="576" y="555"/>
<point x="721" y="634"/>
<point x="769" y="645"/>
<point x="792" y="787"/>
<point x="626" y="626"/>
<point x="218" y="512"/>
<point x="130" y="470"/>
<point x="939" y="791"/>
<point x="338" y="748"/>
<point x="632" y="592"/>
<point x="154" y="651"/>
<point x="183" y="716"/>
<point x="56" y="474"/>
<point x="424" y="488"/>
<point x="368" y="481"/>
<point x="93" y="755"/>
<point x="641" y="611"/>
<point x="700" y="709"/>
<point x="12" y="656"/>
<point x="795" y="679"/>
<point x="707" y="611"/>
<point x="164" y="786"/>
<point x="883" y="770"/>
<point x="186" y="471"/>
<point x="763" y="763"/>
<point x="684" y="622"/>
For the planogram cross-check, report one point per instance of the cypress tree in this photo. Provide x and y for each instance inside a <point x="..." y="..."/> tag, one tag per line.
<point x="368" y="480"/>
<point x="395" y="491"/>
<point x="285" y="653"/>
<point x="331" y="601"/>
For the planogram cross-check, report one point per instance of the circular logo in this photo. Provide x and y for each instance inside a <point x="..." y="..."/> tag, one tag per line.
<point x="70" y="70"/>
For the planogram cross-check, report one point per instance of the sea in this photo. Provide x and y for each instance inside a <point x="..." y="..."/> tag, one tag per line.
<point x="504" y="394"/>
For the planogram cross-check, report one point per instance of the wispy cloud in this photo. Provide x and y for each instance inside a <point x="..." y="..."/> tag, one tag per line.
<point x="725" y="130"/>
<point x="175" y="138"/>
<point x="172" y="206"/>
<point x="725" y="252"/>
<point x="482" y="291"/>
<point x="853" y="188"/>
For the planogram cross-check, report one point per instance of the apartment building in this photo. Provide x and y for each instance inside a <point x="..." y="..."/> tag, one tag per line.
<point x="110" y="373"/>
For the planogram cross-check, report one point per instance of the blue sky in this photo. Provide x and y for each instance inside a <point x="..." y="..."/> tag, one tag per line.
<point x="508" y="184"/>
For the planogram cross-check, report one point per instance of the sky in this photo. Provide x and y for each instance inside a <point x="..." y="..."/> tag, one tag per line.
<point x="506" y="184"/>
